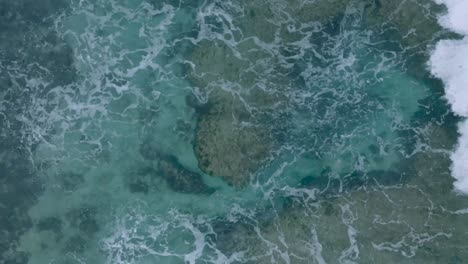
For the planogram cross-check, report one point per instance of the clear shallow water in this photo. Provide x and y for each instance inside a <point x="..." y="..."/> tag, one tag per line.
<point x="214" y="132"/>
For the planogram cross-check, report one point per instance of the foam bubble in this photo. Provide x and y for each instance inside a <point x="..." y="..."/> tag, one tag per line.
<point x="449" y="62"/>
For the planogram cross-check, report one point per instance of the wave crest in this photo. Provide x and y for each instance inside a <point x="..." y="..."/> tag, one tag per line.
<point x="449" y="62"/>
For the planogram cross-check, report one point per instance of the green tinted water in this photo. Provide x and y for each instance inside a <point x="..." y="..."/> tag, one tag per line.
<point x="227" y="132"/>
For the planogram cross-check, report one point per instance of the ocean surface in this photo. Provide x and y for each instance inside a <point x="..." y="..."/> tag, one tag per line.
<point x="246" y="131"/>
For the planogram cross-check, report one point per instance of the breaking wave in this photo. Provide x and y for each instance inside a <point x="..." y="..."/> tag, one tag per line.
<point x="449" y="62"/>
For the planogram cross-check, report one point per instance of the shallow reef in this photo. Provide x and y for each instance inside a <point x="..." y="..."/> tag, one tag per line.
<point x="230" y="140"/>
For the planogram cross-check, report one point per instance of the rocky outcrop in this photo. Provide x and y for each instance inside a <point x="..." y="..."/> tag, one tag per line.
<point x="229" y="144"/>
<point x="168" y="169"/>
<point x="230" y="141"/>
<point x="181" y="179"/>
<point x="415" y="21"/>
<point x="268" y="20"/>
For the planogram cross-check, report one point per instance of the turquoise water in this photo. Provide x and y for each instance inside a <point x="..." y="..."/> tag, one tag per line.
<point x="297" y="131"/>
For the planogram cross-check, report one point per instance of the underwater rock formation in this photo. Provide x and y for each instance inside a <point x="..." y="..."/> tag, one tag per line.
<point x="181" y="179"/>
<point x="414" y="27"/>
<point x="144" y="180"/>
<point x="230" y="140"/>
<point x="71" y="181"/>
<point x="215" y="61"/>
<point x="392" y="224"/>
<point x="228" y="148"/>
<point x="284" y="18"/>
<point x="75" y="244"/>
<point x="244" y="78"/>
<point x="50" y="223"/>
<point x="176" y="175"/>
<point x="84" y="219"/>
<point x="383" y="221"/>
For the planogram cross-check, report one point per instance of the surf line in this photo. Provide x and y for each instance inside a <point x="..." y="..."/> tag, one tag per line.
<point x="449" y="62"/>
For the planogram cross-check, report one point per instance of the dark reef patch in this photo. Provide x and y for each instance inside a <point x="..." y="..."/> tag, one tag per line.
<point x="29" y="49"/>
<point x="51" y="223"/>
<point x="181" y="179"/>
<point x="18" y="191"/>
<point x="84" y="219"/>
<point x="76" y="244"/>
<point x="138" y="186"/>
<point x="329" y="186"/>
<point x="148" y="152"/>
<point x="71" y="180"/>
<point x="177" y="177"/>
<point x="143" y="180"/>
<point x="200" y="107"/>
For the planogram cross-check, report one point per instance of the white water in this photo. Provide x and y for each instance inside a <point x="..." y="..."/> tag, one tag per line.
<point x="449" y="62"/>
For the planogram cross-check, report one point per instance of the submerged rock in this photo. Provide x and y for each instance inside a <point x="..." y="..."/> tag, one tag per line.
<point x="216" y="61"/>
<point x="230" y="150"/>
<point x="51" y="223"/>
<point x="181" y="179"/>
<point x="230" y="140"/>
<point x="75" y="244"/>
<point x="71" y="181"/>
<point x="144" y="180"/>
<point x="84" y="219"/>
<point x="228" y="143"/>
<point x="176" y="175"/>
<point x="245" y="78"/>
<point x="268" y="20"/>
<point x="247" y="84"/>
<point x="407" y="215"/>
<point x="138" y="186"/>
<point x="415" y="21"/>
<point x="400" y="224"/>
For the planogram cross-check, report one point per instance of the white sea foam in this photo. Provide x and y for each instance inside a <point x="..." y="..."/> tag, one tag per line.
<point x="456" y="18"/>
<point x="449" y="62"/>
<point x="460" y="159"/>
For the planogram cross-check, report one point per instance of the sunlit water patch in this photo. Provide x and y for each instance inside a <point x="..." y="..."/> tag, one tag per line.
<point x="227" y="132"/>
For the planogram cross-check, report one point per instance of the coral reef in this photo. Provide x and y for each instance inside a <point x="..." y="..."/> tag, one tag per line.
<point x="231" y="141"/>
